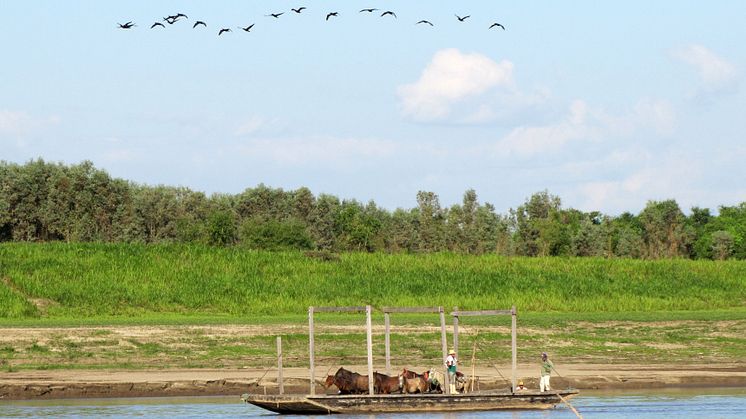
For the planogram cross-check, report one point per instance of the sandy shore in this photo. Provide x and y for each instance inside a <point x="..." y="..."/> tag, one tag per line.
<point x="202" y="382"/>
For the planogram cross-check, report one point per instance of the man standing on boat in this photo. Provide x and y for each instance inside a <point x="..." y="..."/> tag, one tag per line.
<point x="451" y="362"/>
<point x="546" y="369"/>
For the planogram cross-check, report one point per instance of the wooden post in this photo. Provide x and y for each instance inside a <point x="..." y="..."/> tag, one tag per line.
<point x="310" y="349"/>
<point x="369" y="327"/>
<point x="513" y="346"/>
<point x="281" y="389"/>
<point x="387" y="320"/>
<point x="455" y="330"/>
<point x="444" y="344"/>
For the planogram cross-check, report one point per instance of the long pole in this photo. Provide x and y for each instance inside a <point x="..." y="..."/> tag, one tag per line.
<point x="310" y="349"/>
<point x="281" y="389"/>
<point x="387" y="320"/>
<point x="445" y="349"/>
<point x="455" y="330"/>
<point x="514" y="346"/>
<point x="369" y="326"/>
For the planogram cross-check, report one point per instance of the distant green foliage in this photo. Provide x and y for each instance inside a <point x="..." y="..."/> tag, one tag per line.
<point x="222" y="228"/>
<point x="42" y="201"/>
<point x="132" y="279"/>
<point x="275" y="235"/>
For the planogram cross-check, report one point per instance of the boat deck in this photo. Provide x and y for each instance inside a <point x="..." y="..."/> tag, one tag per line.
<point x="401" y="403"/>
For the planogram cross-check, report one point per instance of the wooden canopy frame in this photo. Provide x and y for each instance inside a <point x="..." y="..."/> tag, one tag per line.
<point x="513" y="334"/>
<point x="357" y="309"/>
<point x="387" y="314"/>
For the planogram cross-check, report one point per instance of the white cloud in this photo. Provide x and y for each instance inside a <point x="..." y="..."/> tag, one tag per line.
<point x="18" y="123"/>
<point x="583" y="123"/>
<point x="716" y="73"/>
<point x="666" y="174"/>
<point x="533" y="140"/>
<point x="13" y="122"/>
<point x="657" y="115"/>
<point x="251" y="125"/>
<point x="452" y="77"/>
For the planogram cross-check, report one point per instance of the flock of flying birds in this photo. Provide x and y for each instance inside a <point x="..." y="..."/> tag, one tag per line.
<point x="179" y="16"/>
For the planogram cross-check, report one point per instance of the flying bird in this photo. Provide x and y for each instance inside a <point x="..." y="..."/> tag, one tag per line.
<point x="496" y="24"/>
<point x="223" y="31"/>
<point x="461" y="19"/>
<point x="157" y="24"/>
<point x="199" y="22"/>
<point x="275" y="15"/>
<point x="248" y="28"/>
<point x="331" y="14"/>
<point x="171" y="19"/>
<point x="178" y="15"/>
<point x="424" y="21"/>
<point x="298" y="10"/>
<point x="127" y="25"/>
<point x="388" y="12"/>
<point x="368" y="10"/>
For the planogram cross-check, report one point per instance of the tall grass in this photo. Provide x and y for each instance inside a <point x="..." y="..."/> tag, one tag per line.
<point x="128" y="279"/>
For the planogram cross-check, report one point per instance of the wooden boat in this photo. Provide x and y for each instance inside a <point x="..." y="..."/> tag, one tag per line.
<point x="408" y="403"/>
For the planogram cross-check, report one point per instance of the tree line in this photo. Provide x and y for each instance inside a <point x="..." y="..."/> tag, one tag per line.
<point x="42" y="201"/>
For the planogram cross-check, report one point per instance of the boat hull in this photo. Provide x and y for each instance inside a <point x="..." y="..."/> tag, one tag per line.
<point x="408" y="403"/>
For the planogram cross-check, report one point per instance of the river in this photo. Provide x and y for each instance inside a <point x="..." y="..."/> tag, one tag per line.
<point x="699" y="403"/>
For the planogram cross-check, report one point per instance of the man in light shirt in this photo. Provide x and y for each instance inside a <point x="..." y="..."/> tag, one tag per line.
<point x="451" y="362"/>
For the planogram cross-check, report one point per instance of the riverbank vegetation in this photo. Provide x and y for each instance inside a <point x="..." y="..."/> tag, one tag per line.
<point x="42" y="201"/>
<point x="51" y="280"/>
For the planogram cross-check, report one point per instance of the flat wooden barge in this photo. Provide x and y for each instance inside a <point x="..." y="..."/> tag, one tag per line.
<point x="408" y="403"/>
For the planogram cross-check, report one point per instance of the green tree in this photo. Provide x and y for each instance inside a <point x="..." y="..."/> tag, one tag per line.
<point x="430" y="222"/>
<point x="589" y="240"/>
<point x="542" y="228"/>
<point x="222" y="229"/>
<point x="722" y="245"/>
<point x="664" y="230"/>
<point x="324" y="228"/>
<point x="399" y="231"/>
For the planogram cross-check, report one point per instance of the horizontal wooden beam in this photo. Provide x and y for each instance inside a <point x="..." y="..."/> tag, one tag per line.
<point x="353" y="309"/>
<point x="411" y="309"/>
<point x="482" y="313"/>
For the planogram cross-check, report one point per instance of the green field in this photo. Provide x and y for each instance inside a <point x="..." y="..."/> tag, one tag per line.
<point x="97" y="281"/>
<point x="579" y="309"/>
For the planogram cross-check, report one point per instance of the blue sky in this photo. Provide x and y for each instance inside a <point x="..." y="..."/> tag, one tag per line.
<point x="607" y="105"/>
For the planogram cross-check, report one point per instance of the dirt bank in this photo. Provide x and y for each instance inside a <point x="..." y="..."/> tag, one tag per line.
<point x="77" y="384"/>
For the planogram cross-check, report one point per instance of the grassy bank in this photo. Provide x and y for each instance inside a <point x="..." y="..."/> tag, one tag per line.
<point x="58" y="280"/>
<point x="413" y="342"/>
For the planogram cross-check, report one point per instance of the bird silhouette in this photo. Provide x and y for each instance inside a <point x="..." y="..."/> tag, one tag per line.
<point x="178" y="15"/>
<point x="331" y="14"/>
<point x="127" y="25"/>
<point x="199" y="22"/>
<point x="424" y="21"/>
<point x="275" y="15"/>
<point x="461" y="19"/>
<point x="496" y="24"/>
<point x="248" y="28"/>
<point x="157" y="24"/>
<point x="368" y="10"/>
<point x="388" y="12"/>
<point x="223" y="31"/>
<point x="298" y="10"/>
